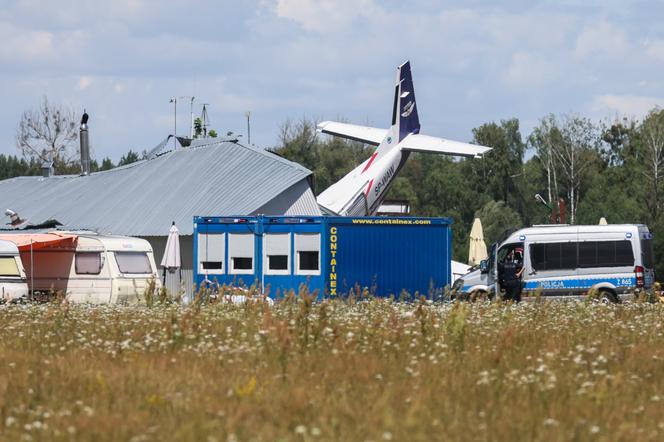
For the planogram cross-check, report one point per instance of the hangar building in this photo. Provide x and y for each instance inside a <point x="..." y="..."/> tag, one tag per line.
<point x="211" y="176"/>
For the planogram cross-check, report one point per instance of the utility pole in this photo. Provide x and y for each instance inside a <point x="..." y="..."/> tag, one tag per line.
<point x="174" y="100"/>
<point x="248" y="115"/>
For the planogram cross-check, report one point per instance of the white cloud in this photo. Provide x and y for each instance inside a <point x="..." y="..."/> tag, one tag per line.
<point x="627" y="105"/>
<point x="601" y="39"/>
<point x="324" y="15"/>
<point x="85" y="82"/>
<point x="529" y="70"/>
<point x="655" y="49"/>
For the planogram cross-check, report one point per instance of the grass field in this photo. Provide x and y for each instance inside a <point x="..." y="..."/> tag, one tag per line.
<point x="372" y="370"/>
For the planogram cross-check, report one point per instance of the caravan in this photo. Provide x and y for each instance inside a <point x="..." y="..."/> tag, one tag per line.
<point x="13" y="284"/>
<point x="563" y="261"/>
<point x="86" y="267"/>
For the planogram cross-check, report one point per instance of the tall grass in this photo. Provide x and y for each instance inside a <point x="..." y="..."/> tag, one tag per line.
<point x="358" y="370"/>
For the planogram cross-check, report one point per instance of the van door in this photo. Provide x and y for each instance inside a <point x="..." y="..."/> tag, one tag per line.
<point x="553" y="268"/>
<point x="502" y="255"/>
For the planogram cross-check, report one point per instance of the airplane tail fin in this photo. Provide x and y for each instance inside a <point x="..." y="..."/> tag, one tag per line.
<point x="404" y="111"/>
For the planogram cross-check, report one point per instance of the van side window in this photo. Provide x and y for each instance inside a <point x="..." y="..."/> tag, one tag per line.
<point x="211" y="250"/>
<point x="553" y="256"/>
<point x="646" y="253"/>
<point x="605" y="254"/>
<point x="88" y="263"/>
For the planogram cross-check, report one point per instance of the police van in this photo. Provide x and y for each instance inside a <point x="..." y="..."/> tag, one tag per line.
<point x="565" y="261"/>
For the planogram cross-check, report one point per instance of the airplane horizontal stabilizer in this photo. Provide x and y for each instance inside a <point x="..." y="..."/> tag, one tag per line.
<point x="427" y="144"/>
<point x="363" y="134"/>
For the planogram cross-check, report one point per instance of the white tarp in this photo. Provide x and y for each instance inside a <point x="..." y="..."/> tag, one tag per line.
<point x="477" y="250"/>
<point x="171" y="259"/>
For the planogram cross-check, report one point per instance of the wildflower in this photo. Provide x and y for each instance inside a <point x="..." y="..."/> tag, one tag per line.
<point x="387" y="435"/>
<point x="301" y="429"/>
<point x="594" y="429"/>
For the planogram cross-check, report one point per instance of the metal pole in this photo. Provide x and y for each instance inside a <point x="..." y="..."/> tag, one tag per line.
<point x="174" y="100"/>
<point x="32" y="273"/>
<point x="191" y="118"/>
<point x="248" y="114"/>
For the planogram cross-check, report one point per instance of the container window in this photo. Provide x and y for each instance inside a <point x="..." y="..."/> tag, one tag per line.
<point x="88" y="263"/>
<point x="277" y="262"/>
<point x="8" y="266"/>
<point x="276" y="248"/>
<point x="133" y="262"/>
<point x="307" y="248"/>
<point x="211" y="250"/>
<point x="241" y="252"/>
<point x="308" y="260"/>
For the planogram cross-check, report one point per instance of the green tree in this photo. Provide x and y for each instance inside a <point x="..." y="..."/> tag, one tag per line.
<point x="106" y="164"/>
<point x="128" y="158"/>
<point x="497" y="217"/>
<point x="498" y="171"/>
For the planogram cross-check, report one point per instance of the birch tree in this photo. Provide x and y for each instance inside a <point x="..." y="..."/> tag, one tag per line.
<point x="579" y="137"/>
<point x="48" y="133"/>
<point x="652" y="140"/>
<point x="542" y="140"/>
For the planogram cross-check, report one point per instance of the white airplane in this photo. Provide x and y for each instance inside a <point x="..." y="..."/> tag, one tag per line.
<point x="362" y="191"/>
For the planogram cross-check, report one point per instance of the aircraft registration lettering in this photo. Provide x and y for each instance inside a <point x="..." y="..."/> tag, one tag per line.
<point x="384" y="180"/>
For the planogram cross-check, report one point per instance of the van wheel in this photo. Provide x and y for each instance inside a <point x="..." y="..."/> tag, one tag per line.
<point x="608" y="297"/>
<point x="479" y="295"/>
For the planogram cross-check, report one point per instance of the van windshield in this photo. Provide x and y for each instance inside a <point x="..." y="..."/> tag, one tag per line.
<point x="8" y="266"/>
<point x="133" y="262"/>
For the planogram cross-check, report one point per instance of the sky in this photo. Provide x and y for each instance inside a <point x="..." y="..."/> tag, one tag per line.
<point x="473" y="62"/>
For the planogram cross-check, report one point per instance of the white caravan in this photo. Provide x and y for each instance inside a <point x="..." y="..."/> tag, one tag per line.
<point x="365" y="187"/>
<point x="13" y="284"/>
<point x="87" y="267"/>
<point x="562" y="261"/>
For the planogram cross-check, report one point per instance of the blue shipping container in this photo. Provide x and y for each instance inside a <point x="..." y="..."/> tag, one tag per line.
<point x="333" y="256"/>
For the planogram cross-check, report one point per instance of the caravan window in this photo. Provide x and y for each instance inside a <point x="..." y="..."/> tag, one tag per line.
<point x="88" y="263"/>
<point x="307" y="249"/>
<point x="133" y="262"/>
<point x="277" y="253"/>
<point x="211" y="250"/>
<point x="241" y="252"/>
<point x="8" y="266"/>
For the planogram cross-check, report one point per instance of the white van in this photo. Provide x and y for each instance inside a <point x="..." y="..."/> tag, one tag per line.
<point x="13" y="284"/>
<point x="563" y="261"/>
<point x="88" y="267"/>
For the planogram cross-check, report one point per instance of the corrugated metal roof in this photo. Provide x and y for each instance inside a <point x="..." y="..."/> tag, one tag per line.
<point x="142" y="198"/>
